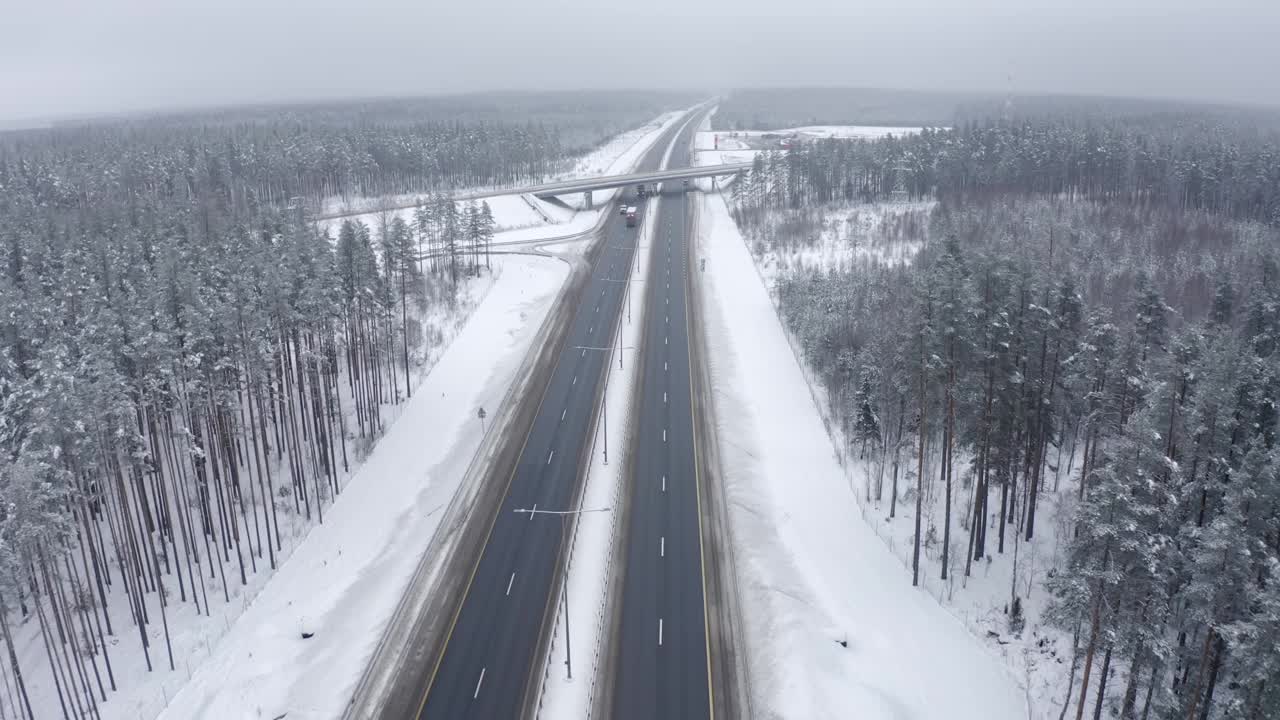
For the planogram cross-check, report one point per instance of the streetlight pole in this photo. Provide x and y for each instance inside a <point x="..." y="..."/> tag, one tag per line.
<point x="604" y="407"/>
<point x="626" y="292"/>
<point x="564" y="574"/>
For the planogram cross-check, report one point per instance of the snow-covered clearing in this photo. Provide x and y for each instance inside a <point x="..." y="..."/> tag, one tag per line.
<point x="344" y="578"/>
<point x="851" y="132"/>
<point x="852" y="236"/>
<point x="860" y="132"/>
<point x="833" y="627"/>
<point x="743" y="145"/>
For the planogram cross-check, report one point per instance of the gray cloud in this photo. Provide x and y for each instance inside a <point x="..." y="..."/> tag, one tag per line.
<point x="64" y="57"/>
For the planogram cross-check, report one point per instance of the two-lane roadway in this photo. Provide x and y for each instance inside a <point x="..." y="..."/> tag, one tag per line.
<point x="488" y="669"/>
<point x="663" y="664"/>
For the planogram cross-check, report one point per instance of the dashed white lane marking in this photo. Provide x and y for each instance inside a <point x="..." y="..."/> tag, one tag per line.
<point x="664" y="483"/>
<point x="562" y="412"/>
<point x="664" y="341"/>
<point x="575" y="380"/>
<point x="659" y="645"/>
<point x="510" y="583"/>
<point x="480" y="682"/>
<point x="664" y="397"/>
<point x="662" y="552"/>
<point x="553" y="454"/>
<point x="533" y="512"/>
<point x="664" y="365"/>
<point x="664" y="436"/>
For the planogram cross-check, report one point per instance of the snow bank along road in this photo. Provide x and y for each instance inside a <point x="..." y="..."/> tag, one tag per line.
<point x="486" y="661"/>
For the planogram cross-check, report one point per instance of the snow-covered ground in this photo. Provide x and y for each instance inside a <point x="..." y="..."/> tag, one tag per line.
<point x="743" y="145"/>
<point x="860" y="132"/>
<point x="833" y="627"/>
<point x="856" y="235"/>
<point x="345" y="578"/>
<point x="852" y="132"/>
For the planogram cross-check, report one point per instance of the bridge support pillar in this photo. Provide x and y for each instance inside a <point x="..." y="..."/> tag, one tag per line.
<point x="586" y="199"/>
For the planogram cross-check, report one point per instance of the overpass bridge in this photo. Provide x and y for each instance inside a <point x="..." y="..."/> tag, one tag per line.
<point x="549" y="191"/>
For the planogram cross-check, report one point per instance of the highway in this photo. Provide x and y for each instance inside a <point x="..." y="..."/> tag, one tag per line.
<point x="490" y="661"/>
<point x="662" y="662"/>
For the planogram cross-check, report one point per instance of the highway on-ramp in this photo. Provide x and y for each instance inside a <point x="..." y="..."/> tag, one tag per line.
<point x="663" y="662"/>
<point x="489" y="664"/>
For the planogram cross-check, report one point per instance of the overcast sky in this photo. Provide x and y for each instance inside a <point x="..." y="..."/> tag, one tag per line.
<point x="60" y="57"/>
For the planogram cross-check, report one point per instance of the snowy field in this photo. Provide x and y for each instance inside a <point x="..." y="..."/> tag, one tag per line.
<point x="344" y="579"/>
<point x="854" y="236"/>
<point x="834" y="628"/>
<point x="713" y="148"/>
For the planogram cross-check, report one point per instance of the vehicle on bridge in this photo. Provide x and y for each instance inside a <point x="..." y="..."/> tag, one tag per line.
<point x="631" y="216"/>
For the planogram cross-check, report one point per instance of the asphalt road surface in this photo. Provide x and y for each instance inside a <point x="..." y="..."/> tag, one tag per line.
<point x="663" y="661"/>
<point x="488" y="663"/>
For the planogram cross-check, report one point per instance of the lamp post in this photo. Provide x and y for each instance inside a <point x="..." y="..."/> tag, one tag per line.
<point x="604" y="407"/>
<point x="626" y="292"/>
<point x="564" y="575"/>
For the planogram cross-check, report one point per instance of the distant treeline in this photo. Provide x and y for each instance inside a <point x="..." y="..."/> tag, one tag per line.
<point x="237" y="159"/>
<point x="776" y="108"/>
<point x="1180" y="167"/>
